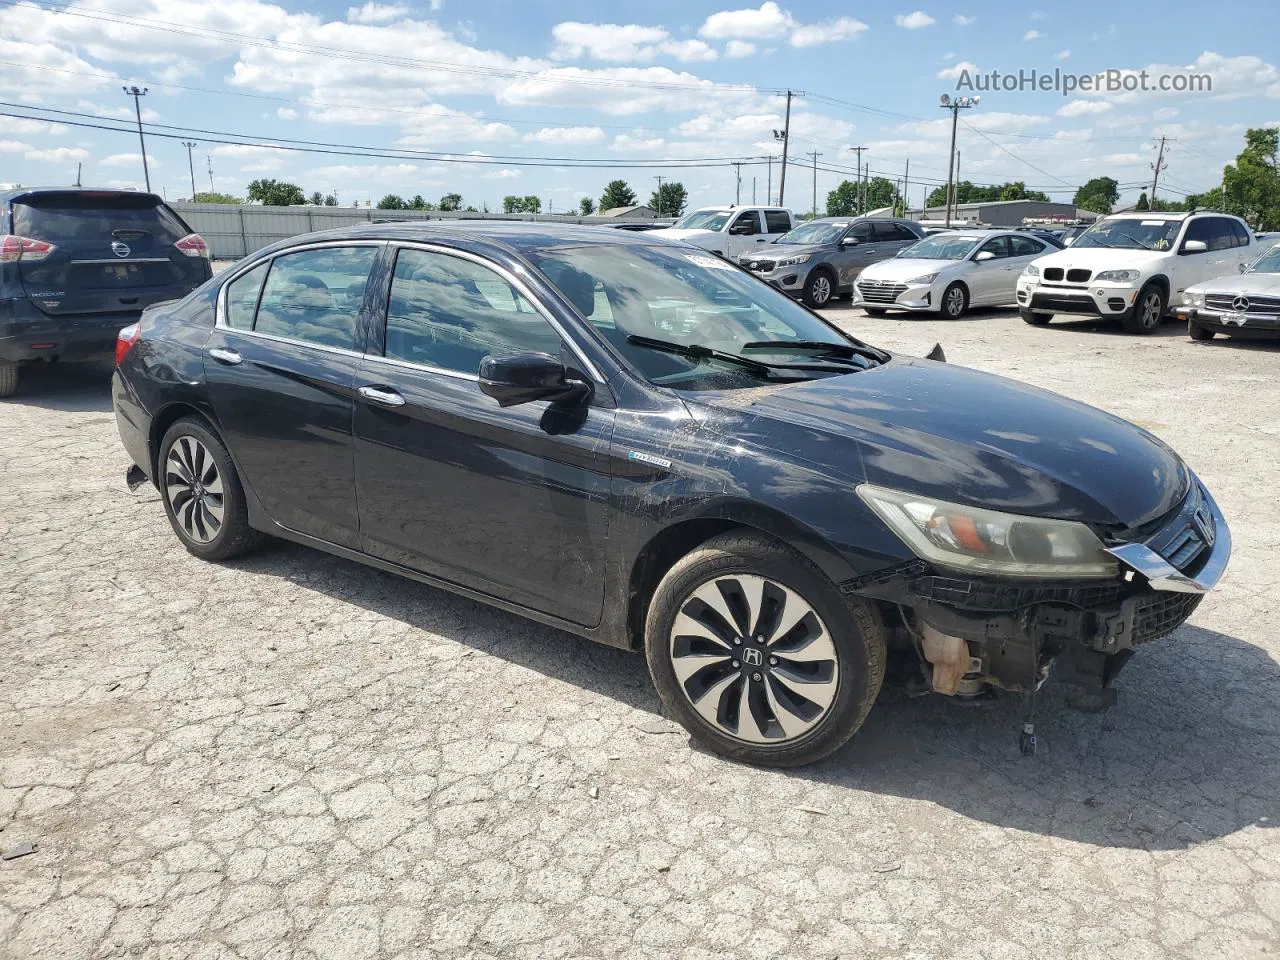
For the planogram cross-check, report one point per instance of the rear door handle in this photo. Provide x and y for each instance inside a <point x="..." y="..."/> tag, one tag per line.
<point x="229" y="357"/>
<point x="382" y="396"/>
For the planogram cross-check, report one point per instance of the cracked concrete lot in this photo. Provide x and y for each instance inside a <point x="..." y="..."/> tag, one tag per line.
<point x="293" y="756"/>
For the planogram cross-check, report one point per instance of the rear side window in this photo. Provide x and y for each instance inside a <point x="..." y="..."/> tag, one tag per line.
<point x="1025" y="246"/>
<point x="1242" y="233"/>
<point x="77" y="220"/>
<point x="1222" y="234"/>
<point x="777" y="221"/>
<point x="315" y="295"/>
<point x="242" y="297"/>
<point x="896" y="232"/>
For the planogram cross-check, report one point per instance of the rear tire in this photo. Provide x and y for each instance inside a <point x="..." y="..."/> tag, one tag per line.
<point x="787" y="622"/>
<point x="1148" y="310"/>
<point x="8" y="378"/>
<point x="1036" y="319"/>
<point x="202" y="495"/>
<point x="955" y="301"/>
<point x="819" y="289"/>
<point x="1197" y="332"/>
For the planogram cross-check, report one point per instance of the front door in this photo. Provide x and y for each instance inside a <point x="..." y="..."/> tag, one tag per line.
<point x="745" y="233"/>
<point x="280" y="366"/>
<point x="508" y="501"/>
<point x="990" y="274"/>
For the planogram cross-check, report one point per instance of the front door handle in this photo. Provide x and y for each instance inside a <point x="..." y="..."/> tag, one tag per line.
<point x="382" y="396"/>
<point x="229" y="357"/>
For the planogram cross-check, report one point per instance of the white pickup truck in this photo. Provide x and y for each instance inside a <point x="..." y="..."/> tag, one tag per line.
<point x="729" y="231"/>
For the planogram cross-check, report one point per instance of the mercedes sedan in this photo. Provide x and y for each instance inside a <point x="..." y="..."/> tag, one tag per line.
<point x="638" y="442"/>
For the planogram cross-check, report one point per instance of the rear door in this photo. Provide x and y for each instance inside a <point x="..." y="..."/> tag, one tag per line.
<point x="280" y="365"/>
<point x="890" y="238"/>
<point x="114" y="253"/>
<point x="776" y="223"/>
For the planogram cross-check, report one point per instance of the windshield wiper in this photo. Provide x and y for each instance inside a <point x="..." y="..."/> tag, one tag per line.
<point x="1145" y="246"/>
<point x="697" y="351"/>
<point x="846" y="351"/>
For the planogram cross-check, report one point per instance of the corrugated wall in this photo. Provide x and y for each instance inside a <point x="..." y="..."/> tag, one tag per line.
<point x="237" y="230"/>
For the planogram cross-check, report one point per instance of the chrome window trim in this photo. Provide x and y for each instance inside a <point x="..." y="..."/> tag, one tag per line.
<point x="220" y="308"/>
<point x="521" y="287"/>
<point x="423" y="368"/>
<point x="126" y="260"/>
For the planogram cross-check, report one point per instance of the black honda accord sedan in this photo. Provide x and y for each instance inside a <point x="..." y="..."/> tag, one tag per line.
<point x="640" y="443"/>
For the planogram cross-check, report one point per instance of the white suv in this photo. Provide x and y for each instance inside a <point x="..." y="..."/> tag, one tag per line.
<point x="1133" y="267"/>
<point x="729" y="231"/>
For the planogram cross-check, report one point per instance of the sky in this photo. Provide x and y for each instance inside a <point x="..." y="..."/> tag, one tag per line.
<point x="488" y="98"/>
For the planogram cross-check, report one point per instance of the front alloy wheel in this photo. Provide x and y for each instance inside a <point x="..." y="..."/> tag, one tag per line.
<point x="754" y="659"/>
<point x="818" y="289"/>
<point x="1148" y="310"/>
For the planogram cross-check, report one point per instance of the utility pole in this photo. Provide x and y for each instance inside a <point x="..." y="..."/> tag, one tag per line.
<point x="659" y="179"/>
<point x="191" y="166"/>
<point x="785" y="136"/>
<point x="906" y="187"/>
<point x="955" y="105"/>
<point x="857" y="193"/>
<point x="815" y="154"/>
<point x="136" y="93"/>
<point x="955" y="189"/>
<point x="80" y="165"/>
<point x="768" y="189"/>
<point x="1157" y="167"/>
<point x="208" y="159"/>
<point x="753" y="191"/>
<point x="737" y="172"/>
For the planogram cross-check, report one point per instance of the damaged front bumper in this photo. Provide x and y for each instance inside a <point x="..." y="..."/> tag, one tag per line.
<point x="972" y="633"/>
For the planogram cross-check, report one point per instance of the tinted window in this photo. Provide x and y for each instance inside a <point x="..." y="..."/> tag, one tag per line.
<point x="1199" y="230"/>
<point x="1242" y="233"/>
<point x="1222" y="234"/>
<point x="861" y="232"/>
<point x="895" y="232"/>
<point x="452" y="313"/>
<point x="996" y="245"/>
<point x="777" y="221"/>
<point x="747" y="223"/>
<point x="81" y="220"/>
<point x="1025" y="246"/>
<point x="316" y="295"/>
<point x="242" y="297"/>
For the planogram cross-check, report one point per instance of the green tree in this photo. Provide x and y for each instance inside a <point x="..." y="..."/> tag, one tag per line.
<point x="881" y="193"/>
<point x="1143" y="203"/>
<point x="586" y="206"/>
<point x="670" y="199"/>
<point x="617" y="194"/>
<point x="451" y="201"/>
<point x="532" y="204"/>
<point x="968" y="192"/>
<point x="843" y="200"/>
<point x="419" y="202"/>
<point x="276" y="193"/>
<point x="213" y="197"/>
<point x="512" y="204"/>
<point x="1099" y="195"/>
<point x="330" y="200"/>
<point x="1253" y="181"/>
<point x="392" y="202"/>
<point x="316" y="199"/>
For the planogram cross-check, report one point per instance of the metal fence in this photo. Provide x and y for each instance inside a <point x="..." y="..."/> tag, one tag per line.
<point x="237" y="230"/>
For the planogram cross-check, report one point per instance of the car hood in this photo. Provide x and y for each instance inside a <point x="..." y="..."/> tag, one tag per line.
<point x="1260" y="284"/>
<point x="962" y="436"/>
<point x="671" y="233"/>
<point x="781" y="251"/>
<point x="1103" y="258"/>
<point x="898" y="270"/>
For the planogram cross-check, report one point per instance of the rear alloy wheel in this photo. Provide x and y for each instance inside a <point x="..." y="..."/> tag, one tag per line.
<point x="759" y="657"/>
<point x="1147" y="312"/>
<point x="818" y="289"/>
<point x="8" y="378"/>
<point x="955" y="301"/>
<point x="202" y="494"/>
<point x="1197" y="332"/>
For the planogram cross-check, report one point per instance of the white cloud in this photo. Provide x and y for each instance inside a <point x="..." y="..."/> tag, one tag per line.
<point x="948" y="57"/>
<point x="128" y="160"/>
<point x="119" y="111"/>
<point x="954" y="71"/>
<point x="1083" y="108"/>
<point x="739" y="48"/>
<point x="504" y="173"/>
<point x="610" y="42"/>
<point x="1033" y="35"/>
<point x="58" y="154"/>
<point x="243" y="150"/>
<point x="1168" y="113"/>
<point x="767" y="22"/>
<point x="914" y="20"/>
<point x="626" y="143"/>
<point x="14" y="146"/>
<point x="566" y="135"/>
<point x="23" y="125"/>
<point x="833" y="31"/>
<point x="1039" y="15"/>
<point x="687" y="51"/>
<point x="373" y="12"/>
<point x="1062" y="55"/>
<point x="960" y="20"/>
<point x="286" y="113"/>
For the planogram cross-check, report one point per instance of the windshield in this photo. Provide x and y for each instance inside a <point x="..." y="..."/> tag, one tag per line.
<point x="816" y="232"/>
<point x="1269" y="262"/>
<point x="942" y="246"/>
<point x="1131" y="234"/>
<point x="665" y="293"/>
<point x="703" y="220"/>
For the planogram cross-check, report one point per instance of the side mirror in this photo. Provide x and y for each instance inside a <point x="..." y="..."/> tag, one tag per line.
<point x="984" y="255"/>
<point x="741" y="230"/>
<point x="1244" y="268"/>
<point x="1194" y="246"/>
<point x="850" y="242"/>
<point x="522" y="377"/>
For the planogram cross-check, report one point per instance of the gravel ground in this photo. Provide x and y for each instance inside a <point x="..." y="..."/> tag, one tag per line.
<point x="293" y="756"/>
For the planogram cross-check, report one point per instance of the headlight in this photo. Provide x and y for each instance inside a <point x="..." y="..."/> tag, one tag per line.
<point x="1118" y="276"/>
<point x="986" y="541"/>
<point x="792" y="261"/>
<point x="1193" y="299"/>
<point x="1031" y="270"/>
<point x="927" y="278"/>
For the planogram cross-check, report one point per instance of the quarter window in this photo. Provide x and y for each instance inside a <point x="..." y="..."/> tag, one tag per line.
<point x="315" y="295"/>
<point x="451" y="313"/>
<point x="242" y="297"/>
<point x="1242" y="233"/>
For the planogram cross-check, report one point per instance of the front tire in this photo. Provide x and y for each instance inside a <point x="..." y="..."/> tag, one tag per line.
<point x="1197" y="332"/>
<point x="1147" y="312"/>
<point x="8" y="378"/>
<point x="202" y="495"/>
<point x="955" y="301"/>
<point x="1036" y="319"/>
<point x="758" y="655"/>
<point x="819" y="289"/>
<point x="874" y="311"/>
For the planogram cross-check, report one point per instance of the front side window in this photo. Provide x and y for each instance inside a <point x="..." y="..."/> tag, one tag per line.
<point x="747" y="224"/>
<point x="242" y="297"/>
<point x="862" y="232"/>
<point x="998" y="247"/>
<point x="315" y="295"/>
<point x="451" y="313"/>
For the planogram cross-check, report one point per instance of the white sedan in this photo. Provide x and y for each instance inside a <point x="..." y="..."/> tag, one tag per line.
<point x="948" y="273"/>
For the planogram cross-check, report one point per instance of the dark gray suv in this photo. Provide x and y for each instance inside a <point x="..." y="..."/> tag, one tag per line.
<point x="820" y="259"/>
